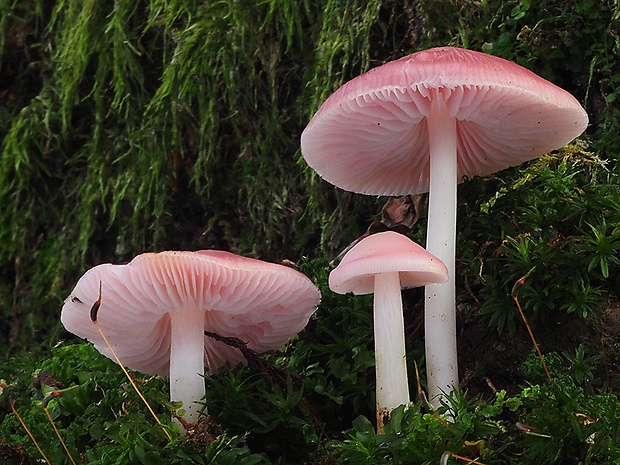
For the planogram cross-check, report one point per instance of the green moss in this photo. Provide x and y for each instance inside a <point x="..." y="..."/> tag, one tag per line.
<point x="150" y="125"/>
<point x="167" y="124"/>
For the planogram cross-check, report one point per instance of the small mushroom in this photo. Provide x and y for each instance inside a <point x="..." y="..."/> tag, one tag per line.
<point x="382" y="264"/>
<point x="424" y="123"/>
<point x="155" y="310"/>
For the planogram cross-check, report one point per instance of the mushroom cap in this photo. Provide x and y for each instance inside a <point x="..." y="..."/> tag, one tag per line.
<point x="260" y="303"/>
<point x="386" y="252"/>
<point x="370" y="136"/>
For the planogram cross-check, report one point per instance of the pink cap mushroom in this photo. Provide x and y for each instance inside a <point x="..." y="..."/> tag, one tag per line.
<point x="382" y="264"/>
<point x="155" y="310"/>
<point x="424" y="123"/>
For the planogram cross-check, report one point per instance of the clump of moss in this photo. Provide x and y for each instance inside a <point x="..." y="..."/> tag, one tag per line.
<point x="159" y="125"/>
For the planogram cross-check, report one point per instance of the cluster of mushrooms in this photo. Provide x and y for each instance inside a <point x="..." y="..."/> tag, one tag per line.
<point x="419" y="124"/>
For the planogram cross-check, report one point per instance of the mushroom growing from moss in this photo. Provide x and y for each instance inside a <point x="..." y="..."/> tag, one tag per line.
<point x="424" y="123"/>
<point x="155" y="310"/>
<point x="382" y="264"/>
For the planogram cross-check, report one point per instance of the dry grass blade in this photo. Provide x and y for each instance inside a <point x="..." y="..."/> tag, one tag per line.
<point x="93" y="316"/>
<point x="21" y="420"/>
<point x="49" y="416"/>
<point x="515" y="293"/>
<point x="421" y="394"/>
<point x="447" y="455"/>
<point x="427" y="405"/>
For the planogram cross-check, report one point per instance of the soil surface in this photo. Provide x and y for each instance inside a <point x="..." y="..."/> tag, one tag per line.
<point x="489" y="361"/>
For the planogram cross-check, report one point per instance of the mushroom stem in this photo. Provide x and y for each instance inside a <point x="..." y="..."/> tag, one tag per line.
<point x="440" y="313"/>
<point x="392" y="387"/>
<point x="187" y="383"/>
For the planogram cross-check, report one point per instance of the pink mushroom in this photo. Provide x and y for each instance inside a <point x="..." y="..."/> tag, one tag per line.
<point x="382" y="264"/>
<point x="424" y="123"/>
<point x="155" y="310"/>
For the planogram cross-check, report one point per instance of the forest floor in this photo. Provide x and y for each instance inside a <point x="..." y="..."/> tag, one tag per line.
<point x="489" y="361"/>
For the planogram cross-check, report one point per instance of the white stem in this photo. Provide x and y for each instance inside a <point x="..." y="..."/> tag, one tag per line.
<point x="187" y="361"/>
<point x="390" y="358"/>
<point x="440" y="313"/>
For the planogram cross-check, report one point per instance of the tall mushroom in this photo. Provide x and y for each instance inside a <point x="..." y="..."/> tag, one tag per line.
<point x="423" y="123"/>
<point x="155" y="310"/>
<point x="382" y="264"/>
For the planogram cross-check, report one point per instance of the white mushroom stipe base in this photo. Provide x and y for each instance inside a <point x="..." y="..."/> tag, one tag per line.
<point x="187" y="361"/>
<point x="390" y="356"/>
<point x="382" y="264"/>
<point x="155" y="310"/>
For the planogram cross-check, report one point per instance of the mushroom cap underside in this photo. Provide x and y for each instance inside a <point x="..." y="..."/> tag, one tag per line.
<point x="370" y="136"/>
<point x="262" y="304"/>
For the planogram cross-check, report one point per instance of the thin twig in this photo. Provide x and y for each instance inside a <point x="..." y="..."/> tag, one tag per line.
<point x="605" y="362"/>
